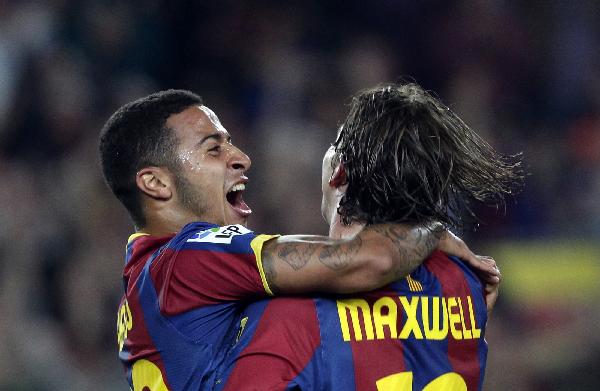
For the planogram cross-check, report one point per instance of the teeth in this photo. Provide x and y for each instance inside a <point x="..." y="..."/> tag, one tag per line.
<point x="238" y="187"/>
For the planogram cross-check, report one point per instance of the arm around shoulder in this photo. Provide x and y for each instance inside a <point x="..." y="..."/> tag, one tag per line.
<point x="378" y="255"/>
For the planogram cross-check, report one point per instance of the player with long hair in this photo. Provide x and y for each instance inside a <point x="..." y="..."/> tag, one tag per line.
<point x="400" y="156"/>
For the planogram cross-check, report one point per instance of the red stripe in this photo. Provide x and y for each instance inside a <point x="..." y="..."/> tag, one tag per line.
<point x="197" y="278"/>
<point x="462" y="354"/>
<point x="376" y="359"/>
<point x="283" y="344"/>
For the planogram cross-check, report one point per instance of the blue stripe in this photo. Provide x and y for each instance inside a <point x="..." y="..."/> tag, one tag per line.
<point x="422" y="356"/>
<point x="478" y="292"/>
<point x="310" y="378"/>
<point x="480" y="308"/>
<point x="208" y="325"/>
<point x="337" y="360"/>
<point x="189" y="360"/>
<point x="128" y="251"/>
<point x="254" y="313"/>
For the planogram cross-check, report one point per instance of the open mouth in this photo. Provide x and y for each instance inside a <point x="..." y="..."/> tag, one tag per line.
<point x="235" y="198"/>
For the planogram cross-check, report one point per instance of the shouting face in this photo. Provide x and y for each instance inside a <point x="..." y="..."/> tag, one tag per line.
<point x="211" y="177"/>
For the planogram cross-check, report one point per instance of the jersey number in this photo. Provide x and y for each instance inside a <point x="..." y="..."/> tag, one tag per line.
<point x="403" y="381"/>
<point x="146" y="375"/>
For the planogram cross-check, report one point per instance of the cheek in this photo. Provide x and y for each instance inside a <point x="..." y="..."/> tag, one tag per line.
<point x="195" y="161"/>
<point x="207" y="184"/>
<point x="187" y="159"/>
<point x="201" y="164"/>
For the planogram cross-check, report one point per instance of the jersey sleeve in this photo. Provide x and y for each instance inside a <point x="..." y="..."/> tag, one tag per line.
<point x="212" y="266"/>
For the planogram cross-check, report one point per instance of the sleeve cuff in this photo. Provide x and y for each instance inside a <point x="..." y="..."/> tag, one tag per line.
<point x="257" y="245"/>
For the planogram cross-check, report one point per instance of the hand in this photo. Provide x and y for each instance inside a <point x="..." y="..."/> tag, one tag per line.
<point x="485" y="267"/>
<point x="491" y="293"/>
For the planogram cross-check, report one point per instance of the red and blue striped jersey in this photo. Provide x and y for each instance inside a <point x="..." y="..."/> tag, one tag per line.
<point x="424" y="332"/>
<point x="183" y="302"/>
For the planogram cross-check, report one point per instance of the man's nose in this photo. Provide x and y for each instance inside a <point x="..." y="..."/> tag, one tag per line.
<point x="239" y="160"/>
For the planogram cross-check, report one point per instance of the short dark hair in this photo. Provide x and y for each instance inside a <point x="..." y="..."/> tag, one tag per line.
<point x="409" y="158"/>
<point x="136" y="136"/>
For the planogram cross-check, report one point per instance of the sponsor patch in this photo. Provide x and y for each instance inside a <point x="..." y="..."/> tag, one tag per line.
<point x="219" y="234"/>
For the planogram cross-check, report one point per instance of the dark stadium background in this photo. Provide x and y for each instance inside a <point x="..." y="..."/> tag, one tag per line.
<point x="526" y="74"/>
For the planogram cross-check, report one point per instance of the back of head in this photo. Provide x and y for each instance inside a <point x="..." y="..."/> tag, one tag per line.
<point x="409" y="158"/>
<point x="136" y="136"/>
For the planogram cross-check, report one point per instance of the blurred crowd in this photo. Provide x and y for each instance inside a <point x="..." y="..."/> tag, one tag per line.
<point x="525" y="74"/>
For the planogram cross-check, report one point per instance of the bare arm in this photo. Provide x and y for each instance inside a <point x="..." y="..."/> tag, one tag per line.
<point x="375" y="257"/>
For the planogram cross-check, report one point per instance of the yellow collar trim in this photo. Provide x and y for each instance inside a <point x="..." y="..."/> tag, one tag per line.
<point x="135" y="236"/>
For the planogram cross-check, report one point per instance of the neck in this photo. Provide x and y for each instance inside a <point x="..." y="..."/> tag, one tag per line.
<point x="161" y="229"/>
<point x="338" y="230"/>
<point x="167" y="221"/>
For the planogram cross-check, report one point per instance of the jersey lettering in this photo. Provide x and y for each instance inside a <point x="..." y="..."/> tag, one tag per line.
<point x="379" y="321"/>
<point x="221" y="235"/>
<point x="124" y="323"/>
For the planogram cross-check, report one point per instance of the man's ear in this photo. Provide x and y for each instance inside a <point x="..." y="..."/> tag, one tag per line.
<point x="155" y="182"/>
<point x="338" y="178"/>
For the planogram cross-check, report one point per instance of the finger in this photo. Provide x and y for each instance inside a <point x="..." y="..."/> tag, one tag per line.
<point x="487" y="259"/>
<point x="491" y="297"/>
<point x="491" y="287"/>
<point x="492" y="280"/>
<point x="490" y="262"/>
<point x="490" y="273"/>
<point x="484" y="265"/>
<point x="489" y="279"/>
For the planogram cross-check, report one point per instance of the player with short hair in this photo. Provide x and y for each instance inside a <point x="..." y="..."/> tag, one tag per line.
<point x="192" y="262"/>
<point x="400" y="156"/>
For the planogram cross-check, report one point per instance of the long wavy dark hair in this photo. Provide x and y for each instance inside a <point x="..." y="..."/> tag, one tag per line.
<point x="409" y="158"/>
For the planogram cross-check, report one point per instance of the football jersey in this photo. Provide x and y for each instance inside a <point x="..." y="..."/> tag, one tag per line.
<point x="183" y="302"/>
<point x="424" y="332"/>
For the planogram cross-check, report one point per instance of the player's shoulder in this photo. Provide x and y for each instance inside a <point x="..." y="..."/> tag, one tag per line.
<point x="207" y="236"/>
<point x="450" y="265"/>
<point x="159" y="254"/>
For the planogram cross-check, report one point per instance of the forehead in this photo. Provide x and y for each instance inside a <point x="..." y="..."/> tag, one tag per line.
<point x="194" y="123"/>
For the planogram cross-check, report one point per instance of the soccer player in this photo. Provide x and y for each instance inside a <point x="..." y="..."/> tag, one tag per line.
<point x="192" y="262"/>
<point x="400" y="156"/>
